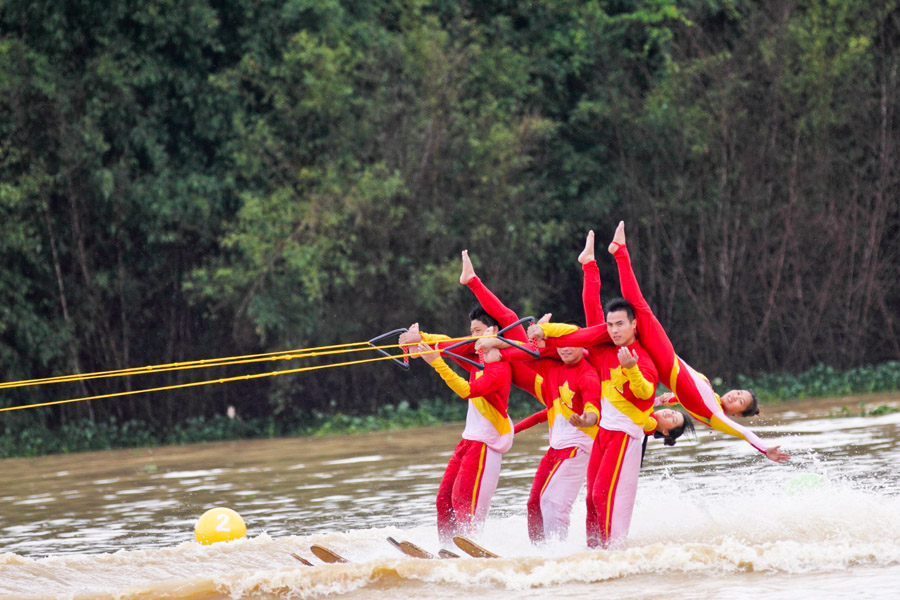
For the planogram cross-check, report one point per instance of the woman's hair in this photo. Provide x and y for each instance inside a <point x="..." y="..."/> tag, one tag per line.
<point x="675" y="432"/>
<point x="753" y="408"/>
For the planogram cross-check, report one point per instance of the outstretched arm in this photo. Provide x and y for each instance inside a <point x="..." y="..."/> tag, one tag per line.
<point x="490" y="381"/>
<point x="560" y="335"/>
<point x="650" y="331"/>
<point x="500" y="312"/>
<point x="721" y="422"/>
<point x="529" y="422"/>
<point x="590" y="388"/>
<point x="412" y="337"/>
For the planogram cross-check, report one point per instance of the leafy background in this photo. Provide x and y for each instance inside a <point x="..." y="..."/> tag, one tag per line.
<point x="187" y="179"/>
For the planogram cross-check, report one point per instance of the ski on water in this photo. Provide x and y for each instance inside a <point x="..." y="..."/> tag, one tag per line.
<point x="301" y="559"/>
<point x="327" y="555"/>
<point x="410" y="549"/>
<point x="472" y="549"/>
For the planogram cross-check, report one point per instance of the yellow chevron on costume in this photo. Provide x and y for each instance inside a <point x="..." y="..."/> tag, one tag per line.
<point x="720" y="425"/>
<point x="555" y="467"/>
<point x="477" y="487"/>
<point x="613" y="481"/>
<point x="673" y="376"/>
<point x="562" y="407"/>
<point x="612" y="392"/>
<point x="538" y="388"/>
<point x="490" y="412"/>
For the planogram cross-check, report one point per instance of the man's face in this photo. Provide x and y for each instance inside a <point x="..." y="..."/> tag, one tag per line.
<point x="620" y="329"/>
<point x="570" y="355"/>
<point x="479" y="328"/>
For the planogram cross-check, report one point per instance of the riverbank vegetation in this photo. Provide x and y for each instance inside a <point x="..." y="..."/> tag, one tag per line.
<point x="214" y="178"/>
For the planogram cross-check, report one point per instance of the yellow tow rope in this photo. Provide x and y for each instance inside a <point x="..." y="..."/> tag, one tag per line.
<point x="215" y="362"/>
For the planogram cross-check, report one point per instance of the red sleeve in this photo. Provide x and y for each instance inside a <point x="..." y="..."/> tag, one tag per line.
<point x="590" y="294"/>
<point x="549" y="352"/>
<point x="512" y="355"/>
<point x="590" y="388"/>
<point x="650" y="331"/>
<point x="527" y="379"/>
<point x="496" y="377"/>
<point x="543" y="366"/>
<point x="583" y="338"/>
<point x="499" y="311"/>
<point x="529" y="422"/>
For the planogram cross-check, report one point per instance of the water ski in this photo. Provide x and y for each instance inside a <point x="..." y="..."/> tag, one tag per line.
<point x="410" y="549"/>
<point x="301" y="559"/>
<point x="443" y="553"/>
<point x="327" y="555"/>
<point x="472" y="549"/>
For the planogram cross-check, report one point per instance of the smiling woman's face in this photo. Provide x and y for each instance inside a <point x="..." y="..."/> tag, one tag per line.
<point x="667" y="419"/>
<point x="736" y="401"/>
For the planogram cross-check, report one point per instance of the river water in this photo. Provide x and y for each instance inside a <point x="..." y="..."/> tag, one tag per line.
<point x="713" y="519"/>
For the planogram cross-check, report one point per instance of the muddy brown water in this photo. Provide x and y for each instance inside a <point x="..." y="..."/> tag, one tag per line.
<point x="714" y="519"/>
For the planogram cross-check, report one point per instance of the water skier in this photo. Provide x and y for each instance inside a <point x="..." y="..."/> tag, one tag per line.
<point x="570" y="388"/>
<point x="629" y="380"/>
<point x="689" y="387"/>
<point x="471" y="476"/>
<point x="473" y="472"/>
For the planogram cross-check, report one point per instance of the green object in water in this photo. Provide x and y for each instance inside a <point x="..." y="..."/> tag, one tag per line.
<point x="802" y="483"/>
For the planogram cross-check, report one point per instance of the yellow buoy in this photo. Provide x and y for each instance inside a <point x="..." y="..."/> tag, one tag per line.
<point x="219" y="525"/>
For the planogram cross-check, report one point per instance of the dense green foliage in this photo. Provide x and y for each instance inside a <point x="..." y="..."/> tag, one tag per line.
<point x="824" y="381"/>
<point x="206" y="178"/>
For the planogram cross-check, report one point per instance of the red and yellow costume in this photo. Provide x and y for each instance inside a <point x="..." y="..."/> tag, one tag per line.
<point x="565" y="390"/>
<point x="523" y="376"/>
<point x="692" y="389"/>
<point x="626" y="417"/>
<point x="472" y="474"/>
<point x="570" y="389"/>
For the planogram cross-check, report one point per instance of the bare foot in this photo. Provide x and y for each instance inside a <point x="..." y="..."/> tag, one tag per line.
<point x="468" y="271"/>
<point x="618" y="238"/>
<point x="587" y="255"/>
